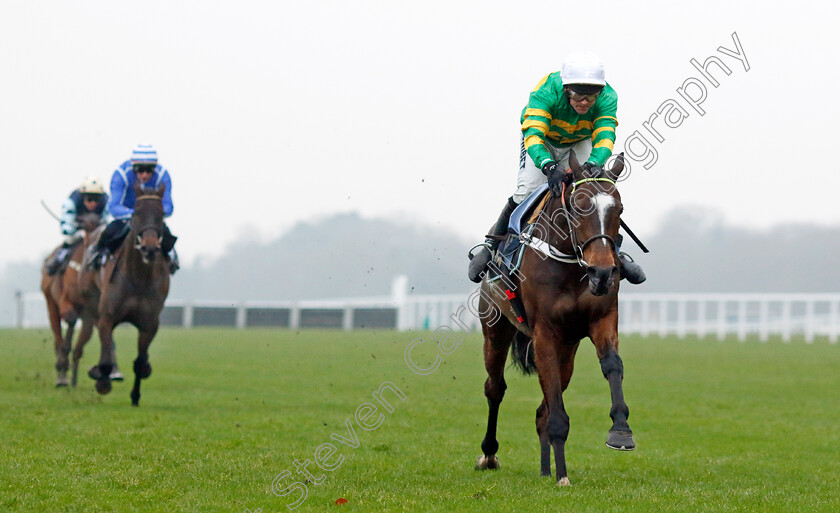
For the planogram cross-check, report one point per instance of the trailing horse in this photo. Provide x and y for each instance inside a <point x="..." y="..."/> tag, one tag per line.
<point x="134" y="284"/>
<point x="64" y="303"/>
<point x="565" y="289"/>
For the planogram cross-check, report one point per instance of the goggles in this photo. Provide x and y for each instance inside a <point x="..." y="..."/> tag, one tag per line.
<point x="580" y="97"/>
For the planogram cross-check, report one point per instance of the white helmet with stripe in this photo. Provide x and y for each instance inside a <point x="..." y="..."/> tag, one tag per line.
<point x="92" y="185"/>
<point x="583" y="68"/>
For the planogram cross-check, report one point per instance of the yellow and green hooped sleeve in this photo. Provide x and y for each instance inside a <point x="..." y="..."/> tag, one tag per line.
<point x="536" y="122"/>
<point x="603" y="133"/>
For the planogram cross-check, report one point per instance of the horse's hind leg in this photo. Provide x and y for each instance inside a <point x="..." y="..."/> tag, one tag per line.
<point x="497" y="340"/>
<point x="142" y="368"/>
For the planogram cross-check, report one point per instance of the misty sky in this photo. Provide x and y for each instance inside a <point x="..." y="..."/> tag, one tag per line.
<point x="268" y="113"/>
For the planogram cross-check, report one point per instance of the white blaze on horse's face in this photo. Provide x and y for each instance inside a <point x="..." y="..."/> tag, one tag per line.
<point x="603" y="203"/>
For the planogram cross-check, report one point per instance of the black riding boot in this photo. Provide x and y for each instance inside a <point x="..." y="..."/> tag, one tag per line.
<point x="57" y="262"/>
<point x="167" y="247"/>
<point x="108" y="241"/>
<point x="59" y="259"/>
<point x="629" y="268"/>
<point x="479" y="261"/>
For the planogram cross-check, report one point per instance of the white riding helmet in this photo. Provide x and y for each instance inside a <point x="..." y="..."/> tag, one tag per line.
<point x="92" y="185"/>
<point x="583" y="68"/>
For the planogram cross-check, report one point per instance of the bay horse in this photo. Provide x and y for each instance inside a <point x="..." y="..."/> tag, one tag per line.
<point x="133" y="286"/>
<point x="64" y="303"/>
<point x="568" y="292"/>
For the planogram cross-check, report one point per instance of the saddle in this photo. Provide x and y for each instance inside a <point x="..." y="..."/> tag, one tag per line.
<point x="509" y="254"/>
<point x="508" y="257"/>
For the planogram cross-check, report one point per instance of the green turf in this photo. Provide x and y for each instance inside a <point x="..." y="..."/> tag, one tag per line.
<point x="720" y="426"/>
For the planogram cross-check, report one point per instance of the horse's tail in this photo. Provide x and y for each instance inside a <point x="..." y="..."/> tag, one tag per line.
<point x="522" y="352"/>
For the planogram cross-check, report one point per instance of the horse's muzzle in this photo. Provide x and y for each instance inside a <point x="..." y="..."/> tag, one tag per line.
<point x="149" y="253"/>
<point x="147" y="250"/>
<point x="601" y="279"/>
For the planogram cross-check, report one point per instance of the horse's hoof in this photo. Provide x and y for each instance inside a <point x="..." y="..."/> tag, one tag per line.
<point x="487" y="463"/>
<point x="563" y="481"/>
<point x="61" y="381"/>
<point x="621" y="440"/>
<point x="103" y="386"/>
<point x="95" y="373"/>
<point x="116" y="375"/>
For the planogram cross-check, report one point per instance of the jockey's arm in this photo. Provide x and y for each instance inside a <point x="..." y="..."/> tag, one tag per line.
<point x="118" y="191"/>
<point x="68" y="217"/>
<point x="603" y="134"/>
<point x="168" y="207"/>
<point x="536" y="122"/>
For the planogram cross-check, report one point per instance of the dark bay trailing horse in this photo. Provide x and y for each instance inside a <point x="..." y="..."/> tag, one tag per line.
<point x="133" y="285"/>
<point x="568" y="292"/>
<point x="64" y="303"/>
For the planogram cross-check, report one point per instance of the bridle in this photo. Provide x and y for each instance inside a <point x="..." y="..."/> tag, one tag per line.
<point x="150" y="226"/>
<point x="579" y="248"/>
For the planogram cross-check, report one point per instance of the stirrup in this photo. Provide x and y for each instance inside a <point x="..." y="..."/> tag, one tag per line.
<point x="482" y="244"/>
<point x="52" y="266"/>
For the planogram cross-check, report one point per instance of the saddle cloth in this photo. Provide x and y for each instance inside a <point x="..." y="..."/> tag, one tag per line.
<point x="509" y="255"/>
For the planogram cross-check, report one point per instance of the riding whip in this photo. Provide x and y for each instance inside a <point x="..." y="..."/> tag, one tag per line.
<point x="50" y="212"/>
<point x="633" y="236"/>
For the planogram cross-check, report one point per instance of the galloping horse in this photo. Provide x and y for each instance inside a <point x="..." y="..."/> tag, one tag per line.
<point x="134" y="284"/>
<point x="61" y="292"/>
<point x="569" y="290"/>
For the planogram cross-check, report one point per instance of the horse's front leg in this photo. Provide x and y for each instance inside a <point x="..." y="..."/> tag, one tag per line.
<point x="545" y="445"/>
<point x="567" y="367"/>
<point x="555" y="362"/>
<point x="101" y="372"/>
<point x="78" y="349"/>
<point x="142" y="368"/>
<point x="604" y="334"/>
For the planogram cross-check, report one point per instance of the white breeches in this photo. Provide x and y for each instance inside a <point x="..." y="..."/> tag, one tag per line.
<point x="530" y="176"/>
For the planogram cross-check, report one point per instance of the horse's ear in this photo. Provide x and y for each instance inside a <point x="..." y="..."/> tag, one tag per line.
<point x="138" y="190"/>
<point x="160" y="190"/>
<point x="617" y="167"/>
<point x="573" y="163"/>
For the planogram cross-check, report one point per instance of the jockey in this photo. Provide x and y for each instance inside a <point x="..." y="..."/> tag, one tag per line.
<point x="571" y="110"/>
<point x="144" y="169"/>
<point x="89" y="198"/>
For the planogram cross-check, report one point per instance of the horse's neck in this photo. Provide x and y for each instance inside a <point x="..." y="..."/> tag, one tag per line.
<point x="555" y="225"/>
<point x="88" y="236"/>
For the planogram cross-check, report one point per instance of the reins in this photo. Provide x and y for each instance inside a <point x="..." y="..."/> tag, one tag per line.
<point x="139" y="231"/>
<point x="578" y="248"/>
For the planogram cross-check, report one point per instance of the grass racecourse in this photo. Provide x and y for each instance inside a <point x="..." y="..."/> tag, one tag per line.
<point x="720" y="426"/>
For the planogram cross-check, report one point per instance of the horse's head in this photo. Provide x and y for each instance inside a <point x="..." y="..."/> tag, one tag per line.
<point x="89" y="222"/>
<point x="594" y="209"/>
<point x="147" y="221"/>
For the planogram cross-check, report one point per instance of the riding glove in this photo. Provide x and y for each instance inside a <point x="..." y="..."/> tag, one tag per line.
<point x="556" y="176"/>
